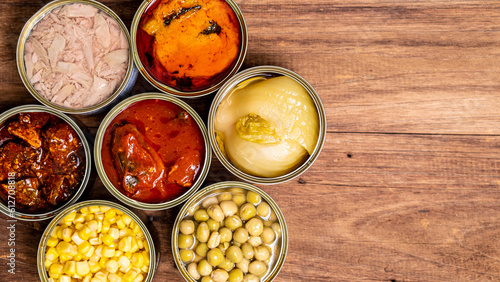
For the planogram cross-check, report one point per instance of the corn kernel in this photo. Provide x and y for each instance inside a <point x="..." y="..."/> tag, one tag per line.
<point x="146" y="246"/>
<point x="118" y="254"/>
<point x="63" y="247"/>
<point x="93" y="225"/>
<point x="84" y="233"/>
<point x="145" y="269"/>
<point x="137" y="260"/>
<point x="112" y="220"/>
<point x="51" y="254"/>
<point x="78" y="257"/>
<point x="114" y="278"/>
<point x="84" y="247"/>
<point x="94" y="258"/>
<point x="66" y="234"/>
<point x="94" y="266"/>
<point x="110" y="214"/>
<point x="104" y="208"/>
<point x="125" y="244"/>
<point x="79" y="218"/>
<point x="98" y="251"/>
<point x="56" y="268"/>
<point x="94" y="209"/>
<point x="129" y="276"/>
<point x="65" y="278"/>
<point x="95" y="241"/>
<point x="107" y="239"/>
<point x="89" y="217"/>
<point x="87" y="278"/>
<point x="70" y="217"/>
<point x="93" y="279"/>
<point x="145" y="254"/>
<point x="64" y="257"/>
<point x="126" y="219"/>
<point x="76" y="238"/>
<point x="108" y="252"/>
<point x="112" y="266"/>
<point x="101" y="276"/>
<point x="114" y="233"/>
<point x="79" y="226"/>
<point x="105" y="226"/>
<point x="120" y="223"/>
<point x="124" y="262"/>
<point x="84" y="210"/>
<point x="59" y="233"/>
<point x="134" y="246"/>
<point x="139" y="278"/>
<point x="102" y="262"/>
<point x="119" y="212"/>
<point x="53" y="234"/>
<point x="69" y="268"/>
<point x="90" y="253"/>
<point x="52" y="242"/>
<point x="48" y="263"/>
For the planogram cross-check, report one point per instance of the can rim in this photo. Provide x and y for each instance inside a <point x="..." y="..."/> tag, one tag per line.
<point x="188" y="94"/>
<point x="42" y="273"/>
<point x="280" y="261"/>
<point x="39" y="15"/>
<point x="83" y="185"/>
<point x="99" y="142"/>
<point x="259" y="71"/>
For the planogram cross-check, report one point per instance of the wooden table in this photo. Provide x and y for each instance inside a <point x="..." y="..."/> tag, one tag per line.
<point x="407" y="187"/>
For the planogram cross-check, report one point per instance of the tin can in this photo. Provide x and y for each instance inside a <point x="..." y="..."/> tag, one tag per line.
<point x="99" y="144"/>
<point x="281" y="245"/>
<point x="249" y="75"/>
<point x="184" y="94"/>
<point x="124" y="88"/>
<point x="153" y="255"/>
<point x="42" y="216"/>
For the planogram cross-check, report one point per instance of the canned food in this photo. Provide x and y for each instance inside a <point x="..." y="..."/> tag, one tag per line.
<point x="194" y="50"/>
<point x="151" y="151"/>
<point x="96" y="238"/>
<point x="267" y="125"/>
<point x="63" y="167"/>
<point x="70" y="74"/>
<point x="250" y="240"/>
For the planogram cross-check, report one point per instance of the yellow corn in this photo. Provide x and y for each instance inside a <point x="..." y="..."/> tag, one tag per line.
<point x="90" y="253"/>
<point x="66" y="234"/>
<point x="48" y="263"/>
<point x="84" y="233"/>
<point x="56" y="269"/>
<point x="65" y="278"/>
<point x="84" y="247"/>
<point x="69" y="268"/>
<point x="118" y="254"/>
<point x="63" y="247"/>
<point x="129" y="276"/>
<point x="119" y="222"/>
<point x="98" y="251"/>
<point x="94" y="209"/>
<point x="84" y="210"/>
<point x="70" y="217"/>
<point x="146" y="246"/>
<point x="108" y="251"/>
<point x="59" y="233"/>
<point x="53" y="234"/>
<point x="89" y="217"/>
<point x="104" y="208"/>
<point x="103" y="261"/>
<point x="124" y="262"/>
<point x="79" y="226"/>
<point x="137" y="260"/>
<point x="51" y="254"/>
<point x="126" y="219"/>
<point x="134" y="246"/>
<point x="114" y="233"/>
<point x="94" y="266"/>
<point x="110" y="214"/>
<point x="125" y="244"/>
<point x="114" y="278"/>
<point x="93" y="225"/>
<point x="82" y="268"/>
<point x="105" y="226"/>
<point x="112" y="266"/>
<point x="64" y="257"/>
<point x="107" y="239"/>
<point x="78" y="257"/>
<point x="52" y="242"/>
<point x="101" y="276"/>
<point x="79" y="218"/>
<point x="139" y="278"/>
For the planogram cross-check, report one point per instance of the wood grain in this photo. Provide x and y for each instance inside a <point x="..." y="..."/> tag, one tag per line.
<point x="407" y="187"/>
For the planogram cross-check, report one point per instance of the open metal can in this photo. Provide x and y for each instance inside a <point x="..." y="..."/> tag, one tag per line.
<point x="49" y="233"/>
<point x="99" y="144"/>
<point x="5" y="208"/>
<point x="123" y="89"/>
<point x="250" y="76"/>
<point x="214" y="195"/>
<point x="198" y="92"/>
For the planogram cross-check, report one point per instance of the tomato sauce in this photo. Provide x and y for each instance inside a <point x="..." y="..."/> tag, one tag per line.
<point x="152" y="151"/>
<point x="189" y="45"/>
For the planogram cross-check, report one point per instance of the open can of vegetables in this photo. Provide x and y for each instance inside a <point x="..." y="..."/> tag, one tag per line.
<point x="45" y="162"/>
<point x="188" y="48"/>
<point x="267" y="125"/>
<point x="74" y="56"/>
<point x="96" y="239"/>
<point x="230" y="231"/>
<point x="151" y="151"/>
